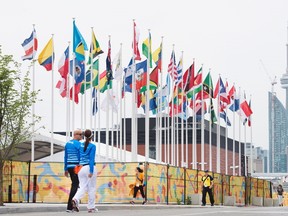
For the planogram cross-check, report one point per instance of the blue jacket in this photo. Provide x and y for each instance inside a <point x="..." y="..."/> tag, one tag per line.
<point x="88" y="157"/>
<point x="72" y="154"/>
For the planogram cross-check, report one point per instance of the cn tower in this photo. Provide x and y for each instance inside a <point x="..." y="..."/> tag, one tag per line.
<point x="284" y="79"/>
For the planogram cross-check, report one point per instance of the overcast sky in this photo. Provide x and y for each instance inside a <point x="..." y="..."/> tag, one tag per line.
<point x="228" y="36"/>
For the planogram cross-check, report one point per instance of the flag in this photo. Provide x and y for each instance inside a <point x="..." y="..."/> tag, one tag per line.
<point x="111" y="100"/>
<point x="231" y="93"/>
<point x="46" y="57"/>
<point x="94" y="102"/>
<point x="76" y="92"/>
<point x="196" y="86"/>
<point x="86" y="83"/>
<point x="141" y="74"/>
<point x="213" y="118"/>
<point x="117" y="61"/>
<point x="165" y="91"/>
<point x="152" y="101"/>
<point x="185" y="113"/>
<point x="187" y="78"/>
<point x="79" y="44"/>
<point x="236" y="104"/>
<point x="63" y="64"/>
<point x="146" y="49"/>
<point x="128" y="72"/>
<point x="95" y="49"/>
<point x="62" y="86"/>
<point x="245" y="109"/>
<point x="109" y="65"/>
<point x="221" y="90"/>
<point x="157" y="57"/>
<point x="136" y="35"/>
<point x="172" y="68"/>
<point x="208" y="87"/>
<point x="249" y="118"/>
<point x="103" y="85"/>
<point x="153" y="80"/>
<point x="225" y="117"/>
<point x="179" y="71"/>
<point x="197" y="109"/>
<point x="63" y="67"/>
<point x="79" y="72"/>
<point x="30" y="46"/>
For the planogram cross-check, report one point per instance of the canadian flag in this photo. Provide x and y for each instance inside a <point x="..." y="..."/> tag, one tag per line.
<point x="62" y="86"/>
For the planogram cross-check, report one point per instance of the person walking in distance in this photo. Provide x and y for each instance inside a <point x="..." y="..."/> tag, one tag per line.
<point x="87" y="174"/>
<point x="280" y="192"/>
<point x="71" y="159"/>
<point x="139" y="186"/>
<point x="207" y="185"/>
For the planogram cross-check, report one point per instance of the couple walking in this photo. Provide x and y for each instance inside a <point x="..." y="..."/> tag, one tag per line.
<point x="79" y="163"/>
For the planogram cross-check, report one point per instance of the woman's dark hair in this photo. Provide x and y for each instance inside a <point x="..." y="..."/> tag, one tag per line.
<point x="139" y="169"/>
<point x="88" y="136"/>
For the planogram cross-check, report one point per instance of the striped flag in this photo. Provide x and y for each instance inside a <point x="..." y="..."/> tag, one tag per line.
<point x="30" y="46"/>
<point x="172" y="67"/>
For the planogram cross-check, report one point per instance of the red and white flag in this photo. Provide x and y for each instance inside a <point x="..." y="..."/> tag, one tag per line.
<point x="245" y="109"/>
<point x="30" y="46"/>
<point x="136" y="35"/>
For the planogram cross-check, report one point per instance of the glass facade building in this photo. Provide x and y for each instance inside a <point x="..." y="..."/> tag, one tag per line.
<point x="278" y="135"/>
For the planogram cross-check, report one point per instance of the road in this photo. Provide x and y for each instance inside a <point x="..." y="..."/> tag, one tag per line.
<point x="173" y="211"/>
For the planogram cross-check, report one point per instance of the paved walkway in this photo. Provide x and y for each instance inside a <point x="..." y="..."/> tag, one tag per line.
<point x="51" y="207"/>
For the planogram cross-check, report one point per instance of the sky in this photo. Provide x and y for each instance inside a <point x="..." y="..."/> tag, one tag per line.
<point x="229" y="37"/>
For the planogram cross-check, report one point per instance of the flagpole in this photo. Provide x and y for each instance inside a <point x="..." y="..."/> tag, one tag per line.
<point x="161" y="116"/>
<point x="68" y="98"/>
<point x="251" y="147"/>
<point x="182" y="120"/>
<point x="210" y="130"/>
<point x="234" y="124"/>
<point x="99" y="110"/>
<point x="218" y="129"/>
<point x="239" y="151"/>
<point x="33" y="104"/>
<point x="226" y="138"/>
<point x="112" y="127"/>
<point x="245" y="170"/>
<point x="107" y="107"/>
<point x="133" y="118"/>
<point x="147" y="107"/>
<point x="125" y="129"/>
<point x="73" y="90"/>
<point x="91" y="79"/>
<point x="52" y="102"/>
<point x="120" y="121"/>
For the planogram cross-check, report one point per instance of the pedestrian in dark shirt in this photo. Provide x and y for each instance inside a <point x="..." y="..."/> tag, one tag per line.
<point x="71" y="159"/>
<point x="280" y="192"/>
<point x="207" y="185"/>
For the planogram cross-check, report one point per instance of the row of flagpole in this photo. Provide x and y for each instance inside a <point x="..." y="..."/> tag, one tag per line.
<point x="171" y="155"/>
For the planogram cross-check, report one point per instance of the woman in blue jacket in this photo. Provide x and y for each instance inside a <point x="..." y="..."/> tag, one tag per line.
<point x="87" y="174"/>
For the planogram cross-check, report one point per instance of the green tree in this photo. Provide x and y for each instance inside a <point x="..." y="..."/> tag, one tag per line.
<point x="16" y="100"/>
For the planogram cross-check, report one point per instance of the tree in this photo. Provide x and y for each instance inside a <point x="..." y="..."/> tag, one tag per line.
<point x="16" y="100"/>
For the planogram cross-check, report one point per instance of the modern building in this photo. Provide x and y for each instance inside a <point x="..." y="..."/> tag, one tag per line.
<point x="278" y="135"/>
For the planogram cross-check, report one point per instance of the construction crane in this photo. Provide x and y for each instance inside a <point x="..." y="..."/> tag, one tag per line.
<point x="273" y="82"/>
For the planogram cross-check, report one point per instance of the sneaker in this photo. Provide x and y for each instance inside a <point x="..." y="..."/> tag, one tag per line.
<point x="132" y="202"/>
<point x="92" y="210"/>
<point x="212" y="204"/>
<point x="69" y="211"/>
<point x="203" y="205"/>
<point x="144" y="202"/>
<point x="75" y="205"/>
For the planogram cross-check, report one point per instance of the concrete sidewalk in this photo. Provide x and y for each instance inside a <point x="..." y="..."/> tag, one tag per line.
<point x="52" y="207"/>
